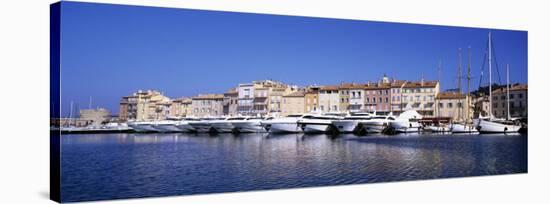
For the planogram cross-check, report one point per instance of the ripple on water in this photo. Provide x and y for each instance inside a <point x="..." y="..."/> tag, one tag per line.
<point x="108" y="166"/>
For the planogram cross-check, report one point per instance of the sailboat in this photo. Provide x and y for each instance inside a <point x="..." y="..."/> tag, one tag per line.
<point x="466" y="127"/>
<point x="491" y="124"/>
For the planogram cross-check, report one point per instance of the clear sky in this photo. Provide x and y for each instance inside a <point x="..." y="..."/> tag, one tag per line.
<point x="110" y="51"/>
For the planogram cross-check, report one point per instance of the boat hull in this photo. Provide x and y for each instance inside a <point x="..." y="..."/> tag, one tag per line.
<point x="185" y="127"/>
<point x="374" y="126"/>
<point x="284" y="128"/>
<point x="345" y="126"/>
<point x="461" y="128"/>
<point x="143" y="128"/>
<point x="167" y="128"/>
<point x="248" y="127"/>
<point x="315" y="128"/>
<point x="485" y="126"/>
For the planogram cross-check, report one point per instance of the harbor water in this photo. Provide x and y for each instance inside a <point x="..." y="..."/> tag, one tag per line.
<point x="111" y="166"/>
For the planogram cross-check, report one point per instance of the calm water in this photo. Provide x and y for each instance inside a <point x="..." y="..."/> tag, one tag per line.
<point x="110" y="166"/>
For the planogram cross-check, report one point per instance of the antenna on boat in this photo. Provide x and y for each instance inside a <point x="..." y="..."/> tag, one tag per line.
<point x="90" y="104"/>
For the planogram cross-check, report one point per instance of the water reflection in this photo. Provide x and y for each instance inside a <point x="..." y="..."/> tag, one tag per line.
<point x="107" y="166"/>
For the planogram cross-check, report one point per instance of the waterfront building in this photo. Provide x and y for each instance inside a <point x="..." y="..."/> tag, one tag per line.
<point x="518" y="101"/>
<point x="293" y="103"/>
<point x="181" y="107"/>
<point x="207" y="105"/>
<point x="396" y="87"/>
<point x="420" y="96"/>
<point x="267" y="96"/>
<point x="481" y="106"/>
<point x="95" y="117"/>
<point x="329" y="99"/>
<point x="245" y="98"/>
<point x="455" y="106"/>
<point x="378" y="96"/>
<point x="230" y="102"/>
<point x="143" y="106"/>
<point x="353" y="96"/>
<point x="311" y="97"/>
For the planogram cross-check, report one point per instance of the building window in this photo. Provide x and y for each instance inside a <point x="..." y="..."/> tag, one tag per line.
<point x="511" y="96"/>
<point x="335" y="108"/>
<point x="459" y="104"/>
<point x="450" y="105"/>
<point x="374" y="100"/>
<point x="386" y="99"/>
<point x="520" y="95"/>
<point x="440" y="105"/>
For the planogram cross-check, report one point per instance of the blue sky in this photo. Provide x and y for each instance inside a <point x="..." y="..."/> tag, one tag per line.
<point x="109" y="51"/>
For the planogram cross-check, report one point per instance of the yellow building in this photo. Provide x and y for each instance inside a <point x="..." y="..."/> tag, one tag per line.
<point x="455" y="106"/>
<point x="180" y="107"/>
<point x="293" y="103"/>
<point x="144" y="106"/>
<point x="420" y="96"/>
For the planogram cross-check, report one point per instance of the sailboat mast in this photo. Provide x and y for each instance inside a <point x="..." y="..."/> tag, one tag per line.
<point x="459" y="80"/>
<point x="490" y="80"/>
<point x="459" y="85"/>
<point x="439" y="80"/>
<point x="468" y="77"/>
<point x="507" y="91"/>
<point x="71" y="114"/>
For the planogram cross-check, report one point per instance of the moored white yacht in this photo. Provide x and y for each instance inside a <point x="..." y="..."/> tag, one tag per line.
<point x="203" y="125"/>
<point x="142" y="126"/>
<point x="463" y="128"/>
<point x="184" y="125"/>
<point x="248" y="125"/>
<point x="286" y="124"/>
<point x="223" y="125"/>
<point x="495" y="125"/>
<point x="317" y="123"/>
<point x="350" y="123"/>
<point x="406" y="122"/>
<point x="168" y="125"/>
<point x="376" y="124"/>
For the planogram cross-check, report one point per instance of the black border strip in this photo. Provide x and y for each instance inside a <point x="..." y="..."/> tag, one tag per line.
<point x="55" y="100"/>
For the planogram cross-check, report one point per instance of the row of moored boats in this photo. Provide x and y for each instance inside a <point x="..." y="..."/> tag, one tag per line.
<point x="359" y="123"/>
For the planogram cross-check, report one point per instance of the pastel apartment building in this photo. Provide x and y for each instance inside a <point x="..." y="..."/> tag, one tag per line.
<point x="329" y="99"/>
<point x="420" y="96"/>
<point x="207" y="105"/>
<point x="455" y="106"/>
<point x="144" y="106"/>
<point x="293" y="103"/>
<point x="518" y="101"/>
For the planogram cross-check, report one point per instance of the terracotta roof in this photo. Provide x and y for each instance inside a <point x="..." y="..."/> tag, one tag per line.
<point x="372" y="86"/>
<point x="450" y="95"/>
<point x="208" y="97"/>
<point x="419" y="84"/>
<point x="352" y="86"/>
<point x="295" y="94"/>
<point x="397" y="83"/>
<point x="329" y="88"/>
<point x="515" y="87"/>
